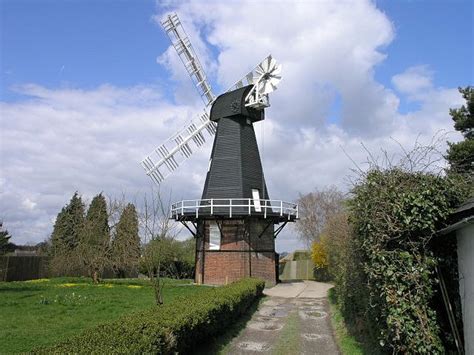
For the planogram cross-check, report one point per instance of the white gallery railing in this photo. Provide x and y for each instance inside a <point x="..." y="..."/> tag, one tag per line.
<point x="234" y="207"/>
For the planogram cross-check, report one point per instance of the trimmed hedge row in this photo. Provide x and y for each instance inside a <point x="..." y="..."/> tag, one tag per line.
<point x="173" y="327"/>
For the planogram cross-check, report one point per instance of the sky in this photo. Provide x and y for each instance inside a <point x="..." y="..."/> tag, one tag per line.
<point x="89" y="88"/>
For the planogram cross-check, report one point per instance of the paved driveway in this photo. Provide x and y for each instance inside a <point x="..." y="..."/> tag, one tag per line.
<point x="294" y="319"/>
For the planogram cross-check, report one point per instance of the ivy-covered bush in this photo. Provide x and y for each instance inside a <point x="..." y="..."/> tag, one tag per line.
<point x="168" y="329"/>
<point x="394" y="214"/>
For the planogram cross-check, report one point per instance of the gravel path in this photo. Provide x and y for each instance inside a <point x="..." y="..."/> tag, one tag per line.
<point x="294" y="319"/>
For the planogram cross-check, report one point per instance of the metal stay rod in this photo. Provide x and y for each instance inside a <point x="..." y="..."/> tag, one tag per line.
<point x="279" y="229"/>
<point x="189" y="229"/>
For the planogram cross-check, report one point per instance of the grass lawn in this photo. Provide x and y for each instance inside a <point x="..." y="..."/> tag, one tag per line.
<point x="43" y="312"/>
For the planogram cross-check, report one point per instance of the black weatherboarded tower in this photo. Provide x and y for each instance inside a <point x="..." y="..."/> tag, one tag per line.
<point x="235" y="168"/>
<point x="234" y="223"/>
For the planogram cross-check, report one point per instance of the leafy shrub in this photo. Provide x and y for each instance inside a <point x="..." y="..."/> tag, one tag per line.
<point x="394" y="214"/>
<point x="319" y="254"/>
<point x="320" y="258"/>
<point x="173" y="258"/>
<point x="173" y="327"/>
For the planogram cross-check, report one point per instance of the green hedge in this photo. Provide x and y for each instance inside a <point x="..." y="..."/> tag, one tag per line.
<point x="391" y="282"/>
<point x="173" y="327"/>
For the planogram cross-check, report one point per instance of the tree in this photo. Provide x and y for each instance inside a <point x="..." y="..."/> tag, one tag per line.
<point x="5" y="245"/>
<point x="126" y="243"/>
<point x="59" y="231"/>
<point x="66" y="236"/>
<point x="43" y="248"/>
<point x="159" y="234"/>
<point x="314" y="210"/>
<point x="93" y="249"/>
<point x="461" y="155"/>
<point x="68" y="226"/>
<point x="174" y="258"/>
<point x="186" y="258"/>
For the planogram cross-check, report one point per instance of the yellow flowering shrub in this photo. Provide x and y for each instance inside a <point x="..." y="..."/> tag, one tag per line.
<point x="319" y="254"/>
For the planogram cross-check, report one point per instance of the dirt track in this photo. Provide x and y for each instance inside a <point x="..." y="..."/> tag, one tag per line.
<point x="294" y="319"/>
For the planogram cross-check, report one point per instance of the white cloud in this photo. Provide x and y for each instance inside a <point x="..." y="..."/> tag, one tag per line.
<point x="58" y="140"/>
<point x="28" y="204"/>
<point x="325" y="47"/>
<point x="414" y="81"/>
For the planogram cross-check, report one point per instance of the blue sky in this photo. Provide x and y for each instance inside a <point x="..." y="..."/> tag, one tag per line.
<point x="438" y="32"/>
<point x="80" y="43"/>
<point x="87" y="43"/>
<point x="83" y="98"/>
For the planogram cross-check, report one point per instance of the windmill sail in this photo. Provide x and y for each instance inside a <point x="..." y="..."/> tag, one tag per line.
<point x="168" y="156"/>
<point x="182" y="44"/>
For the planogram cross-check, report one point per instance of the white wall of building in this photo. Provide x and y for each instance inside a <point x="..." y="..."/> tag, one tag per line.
<point x="465" y="239"/>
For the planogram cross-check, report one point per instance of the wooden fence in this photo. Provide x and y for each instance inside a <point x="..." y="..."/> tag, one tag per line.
<point x="21" y="268"/>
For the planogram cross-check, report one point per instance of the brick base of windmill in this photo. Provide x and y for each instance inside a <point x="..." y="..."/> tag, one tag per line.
<point x="229" y="249"/>
<point x="244" y="251"/>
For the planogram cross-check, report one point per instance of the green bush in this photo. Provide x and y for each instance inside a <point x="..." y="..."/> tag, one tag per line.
<point x="174" y="258"/>
<point x="173" y="327"/>
<point x="394" y="214"/>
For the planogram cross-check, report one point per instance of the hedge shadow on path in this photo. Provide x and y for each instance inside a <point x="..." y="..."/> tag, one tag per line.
<point x="220" y="343"/>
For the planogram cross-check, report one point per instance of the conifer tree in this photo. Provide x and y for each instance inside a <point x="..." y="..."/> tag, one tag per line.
<point x="126" y="242"/>
<point x="66" y="235"/>
<point x="461" y="155"/>
<point x="76" y="221"/>
<point x="59" y="230"/>
<point x="5" y="245"/>
<point x="95" y="237"/>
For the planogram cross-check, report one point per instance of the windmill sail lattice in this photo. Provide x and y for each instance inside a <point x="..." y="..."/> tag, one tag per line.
<point x="182" y="44"/>
<point x="165" y="159"/>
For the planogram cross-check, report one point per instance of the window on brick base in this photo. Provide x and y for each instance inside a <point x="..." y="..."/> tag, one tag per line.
<point x="214" y="236"/>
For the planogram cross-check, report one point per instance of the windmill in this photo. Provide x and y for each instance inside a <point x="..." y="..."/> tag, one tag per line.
<point x="234" y="221"/>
